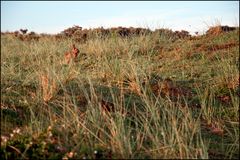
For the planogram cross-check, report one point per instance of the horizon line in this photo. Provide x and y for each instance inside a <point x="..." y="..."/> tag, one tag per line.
<point x="104" y="27"/>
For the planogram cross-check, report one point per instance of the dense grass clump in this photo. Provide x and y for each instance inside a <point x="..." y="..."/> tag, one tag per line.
<point x="144" y="96"/>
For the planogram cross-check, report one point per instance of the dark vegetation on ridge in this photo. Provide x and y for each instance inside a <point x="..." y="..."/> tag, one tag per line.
<point x="79" y="34"/>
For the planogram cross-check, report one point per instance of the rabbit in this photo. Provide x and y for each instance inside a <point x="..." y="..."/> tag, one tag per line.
<point x="71" y="54"/>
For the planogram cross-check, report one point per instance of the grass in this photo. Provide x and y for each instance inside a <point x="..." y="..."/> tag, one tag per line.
<point x="168" y="99"/>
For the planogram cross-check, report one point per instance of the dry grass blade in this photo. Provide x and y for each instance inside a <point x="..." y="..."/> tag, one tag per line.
<point x="48" y="87"/>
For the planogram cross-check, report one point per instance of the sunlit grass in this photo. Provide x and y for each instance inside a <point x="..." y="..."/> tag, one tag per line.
<point x="50" y="109"/>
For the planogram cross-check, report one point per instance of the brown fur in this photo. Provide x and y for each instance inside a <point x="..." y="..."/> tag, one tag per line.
<point x="71" y="54"/>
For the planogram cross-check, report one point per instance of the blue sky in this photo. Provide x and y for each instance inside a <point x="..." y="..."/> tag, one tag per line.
<point x="54" y="17"/>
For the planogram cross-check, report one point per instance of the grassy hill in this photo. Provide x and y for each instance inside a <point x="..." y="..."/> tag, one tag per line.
<point x="140" y="96"/>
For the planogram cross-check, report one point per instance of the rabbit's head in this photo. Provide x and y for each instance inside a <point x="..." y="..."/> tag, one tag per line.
<point x="75" y="51"/>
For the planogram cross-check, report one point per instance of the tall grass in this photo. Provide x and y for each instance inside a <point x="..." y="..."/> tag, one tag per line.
<point x="64" y="103"/>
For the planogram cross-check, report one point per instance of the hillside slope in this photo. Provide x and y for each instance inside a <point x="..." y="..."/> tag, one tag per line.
<point x="144" y="96"/>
